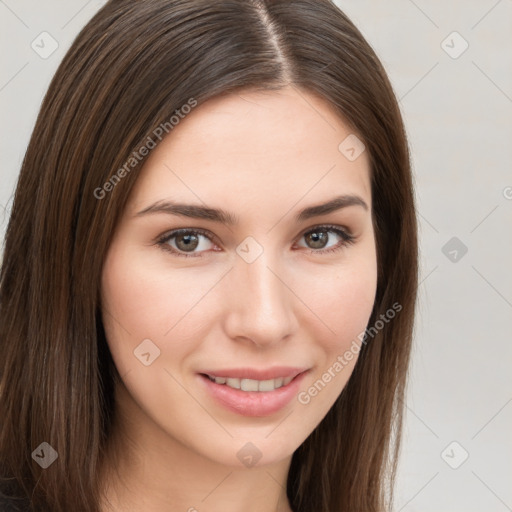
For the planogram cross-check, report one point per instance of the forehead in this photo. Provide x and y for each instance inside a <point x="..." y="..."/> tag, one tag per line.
<point x="278" y="145"/>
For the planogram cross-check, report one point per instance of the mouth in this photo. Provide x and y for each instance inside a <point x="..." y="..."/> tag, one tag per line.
<point x="261" y="386"/>
<point x="251" y="392"/>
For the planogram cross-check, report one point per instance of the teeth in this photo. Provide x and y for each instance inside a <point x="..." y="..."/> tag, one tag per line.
<point x="233" y="383"/>
<point x="267" y="385"/>
<point x="251" y="384"/>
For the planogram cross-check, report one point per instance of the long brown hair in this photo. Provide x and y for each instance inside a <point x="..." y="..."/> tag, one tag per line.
<point x="132" y="66"/>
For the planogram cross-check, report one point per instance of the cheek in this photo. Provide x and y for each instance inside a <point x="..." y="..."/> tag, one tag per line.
<point x="141" y="300"/>
<point x="352" y="304"/>
<point x="133" y="303"/>
<point x="342" y="299"/>
<point x="343" y="303"/>
<point x="135" y="293"/>
<point x="143" y="297"/>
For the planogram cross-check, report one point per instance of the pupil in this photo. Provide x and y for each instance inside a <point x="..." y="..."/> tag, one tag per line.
<point x="319" y="239"/>
<point x="188" y="241"/>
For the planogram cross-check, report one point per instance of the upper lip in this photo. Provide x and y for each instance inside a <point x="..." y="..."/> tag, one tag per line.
<point x="255" y="373"/>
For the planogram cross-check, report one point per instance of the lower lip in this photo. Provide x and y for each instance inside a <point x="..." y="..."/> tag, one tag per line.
<point x="253" y="403"/>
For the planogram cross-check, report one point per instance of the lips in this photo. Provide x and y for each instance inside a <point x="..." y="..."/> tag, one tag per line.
<point x="253" y="379"/>
<point x="256" y="373"/>
<point x="253" y="392"/>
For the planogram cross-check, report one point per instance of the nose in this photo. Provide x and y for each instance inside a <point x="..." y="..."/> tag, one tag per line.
<point x="260" y="303"/>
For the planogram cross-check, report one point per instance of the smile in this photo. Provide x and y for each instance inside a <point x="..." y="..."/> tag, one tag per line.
<point x="253" y="392"/>
<point x="251" y="384"/>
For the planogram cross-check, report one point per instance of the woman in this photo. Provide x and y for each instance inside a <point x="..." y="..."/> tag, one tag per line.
<point x="210" y="270"/>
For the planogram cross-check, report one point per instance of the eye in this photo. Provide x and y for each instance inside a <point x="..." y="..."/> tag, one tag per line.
<point x="318" y="239"/>
<point x="183" y="242"/>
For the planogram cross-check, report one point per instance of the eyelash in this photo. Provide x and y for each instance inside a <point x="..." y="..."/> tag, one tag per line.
<point x="347" y="239"/>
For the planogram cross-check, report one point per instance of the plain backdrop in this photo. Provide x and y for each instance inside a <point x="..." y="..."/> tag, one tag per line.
<point x="450" y="64"/>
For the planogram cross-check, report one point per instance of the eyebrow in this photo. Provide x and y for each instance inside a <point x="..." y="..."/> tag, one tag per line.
<point x="219" y="215"/>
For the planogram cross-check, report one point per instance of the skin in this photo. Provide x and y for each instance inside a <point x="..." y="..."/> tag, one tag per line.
<point x="263" y="156"/>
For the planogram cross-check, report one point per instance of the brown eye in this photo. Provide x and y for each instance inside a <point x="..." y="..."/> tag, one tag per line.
<point x="318" y="238"/>
<point x="183" y="241"/>
<point x="186" y="242"/>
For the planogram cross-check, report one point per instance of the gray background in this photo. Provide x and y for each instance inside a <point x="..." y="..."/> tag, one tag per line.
<point x="458" y="112"/>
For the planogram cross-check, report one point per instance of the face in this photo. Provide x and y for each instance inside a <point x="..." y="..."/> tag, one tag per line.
<point x="228" y="311"/>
